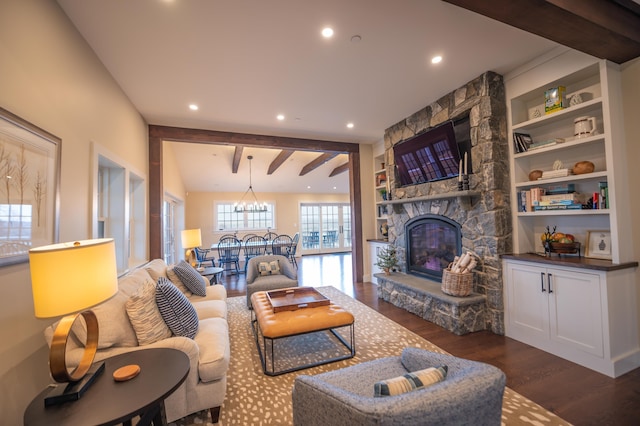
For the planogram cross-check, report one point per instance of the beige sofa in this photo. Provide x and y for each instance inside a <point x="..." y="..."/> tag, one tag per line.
<point x="208" y="351"/>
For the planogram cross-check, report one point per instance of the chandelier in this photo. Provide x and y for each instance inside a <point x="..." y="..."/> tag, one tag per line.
<point x="254" y="207"/>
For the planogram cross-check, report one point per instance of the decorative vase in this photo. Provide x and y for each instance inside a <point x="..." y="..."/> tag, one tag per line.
<point x="386" y="271"/>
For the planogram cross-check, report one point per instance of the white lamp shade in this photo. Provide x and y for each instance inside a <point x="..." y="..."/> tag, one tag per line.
<point x="191" y="238"/>
<point x="71" y="277"/>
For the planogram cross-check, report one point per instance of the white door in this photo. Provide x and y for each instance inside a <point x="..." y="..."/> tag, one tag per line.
<point x="325" y="228"/>
<point x="575" y="311"/>
<point x="528" y="305"/>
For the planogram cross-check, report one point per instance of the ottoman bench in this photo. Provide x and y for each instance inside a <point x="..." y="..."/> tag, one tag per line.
<point x="269" y="326"/>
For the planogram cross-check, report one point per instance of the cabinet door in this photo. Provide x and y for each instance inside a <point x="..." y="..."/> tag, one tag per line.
<point x="527" y="302"/>
<point x="375" y="249"/>
<point x="575" y="310"/>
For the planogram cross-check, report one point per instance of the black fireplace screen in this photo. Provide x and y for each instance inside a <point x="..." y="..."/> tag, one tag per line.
<point x="432" y="243"/>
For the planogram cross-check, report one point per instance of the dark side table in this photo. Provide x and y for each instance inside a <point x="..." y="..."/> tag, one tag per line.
<point x="214" y="273"/>
<point x="108" y="402"/>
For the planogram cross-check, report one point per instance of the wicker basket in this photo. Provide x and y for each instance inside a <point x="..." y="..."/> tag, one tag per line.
<point x="456" y="284"/>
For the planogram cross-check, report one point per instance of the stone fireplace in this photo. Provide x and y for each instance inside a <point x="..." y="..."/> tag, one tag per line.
<point x="477" y="220"/>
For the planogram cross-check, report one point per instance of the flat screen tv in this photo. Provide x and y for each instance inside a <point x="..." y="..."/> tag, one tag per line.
<point x="432" y="155"/>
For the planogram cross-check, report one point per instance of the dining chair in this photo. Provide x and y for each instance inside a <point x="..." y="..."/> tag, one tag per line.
<point x="253" y="246"/>
<point x="202" y="256"/>
<point x="229" y="253"/>
<point x="281" y="245"/>
<point x="293" y="248"/>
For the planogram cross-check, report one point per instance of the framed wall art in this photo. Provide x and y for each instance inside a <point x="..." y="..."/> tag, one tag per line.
<point x="29" y="188"/>
<point x="598" y="244"/>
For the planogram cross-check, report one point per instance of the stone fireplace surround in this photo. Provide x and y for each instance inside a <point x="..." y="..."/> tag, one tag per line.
<point x="483" y="213"/>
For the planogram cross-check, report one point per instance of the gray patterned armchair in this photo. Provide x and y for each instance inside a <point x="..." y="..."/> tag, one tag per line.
<point x="471" y="394"/>
<point x="287" y="276"/>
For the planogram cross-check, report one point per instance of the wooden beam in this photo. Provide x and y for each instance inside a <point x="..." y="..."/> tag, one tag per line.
<point x="340" y="169"/>
<point x="237" y="156"/>
<point x="606" y="29"/>
<point x="214" y="137"/>
<point x="319" y="161"/>
<point x="279" y="160"/>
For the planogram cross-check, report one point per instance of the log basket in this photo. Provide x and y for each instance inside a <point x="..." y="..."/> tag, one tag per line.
<point x="456" y="284"/>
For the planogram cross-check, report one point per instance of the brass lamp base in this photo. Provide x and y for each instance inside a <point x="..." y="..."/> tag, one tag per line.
<point x="85" y="373"/>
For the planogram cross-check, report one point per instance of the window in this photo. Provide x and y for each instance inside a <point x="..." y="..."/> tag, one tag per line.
<point x="229" y="220"/>
<point x="120" y="208"/>
<point x="168" y="226"/>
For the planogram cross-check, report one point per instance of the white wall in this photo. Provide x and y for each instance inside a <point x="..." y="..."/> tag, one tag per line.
<point x="51" y="78"/>
<point x="630" y="80"/>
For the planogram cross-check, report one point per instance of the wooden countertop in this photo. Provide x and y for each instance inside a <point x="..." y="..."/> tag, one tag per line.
<point x="571" y="261"/>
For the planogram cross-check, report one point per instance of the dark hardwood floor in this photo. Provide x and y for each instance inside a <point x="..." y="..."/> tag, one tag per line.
<point x="577" y="394"/>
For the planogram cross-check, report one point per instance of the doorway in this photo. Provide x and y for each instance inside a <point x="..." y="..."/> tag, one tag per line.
<point x="325" y="228"/>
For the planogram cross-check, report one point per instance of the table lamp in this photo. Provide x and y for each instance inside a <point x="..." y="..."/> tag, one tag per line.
<point x="67" y="279"/>
<point x="191" y="238"/>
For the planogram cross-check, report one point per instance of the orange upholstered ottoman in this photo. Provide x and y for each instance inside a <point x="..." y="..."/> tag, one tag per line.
<point x="269" y="326"/>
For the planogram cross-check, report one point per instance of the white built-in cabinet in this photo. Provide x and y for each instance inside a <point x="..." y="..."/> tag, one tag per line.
<point x="580" y="309"/>
<point x="586" y="316"/>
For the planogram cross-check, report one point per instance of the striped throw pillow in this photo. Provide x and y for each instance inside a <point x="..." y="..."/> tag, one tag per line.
<point x="144" y="315"/>
<point x="176" y="310"/>
<point x="190" y="278"/>
<point x="410" y="381"/>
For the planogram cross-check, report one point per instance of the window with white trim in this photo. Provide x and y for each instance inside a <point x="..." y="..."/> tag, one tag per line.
<point x="227" y="219"/>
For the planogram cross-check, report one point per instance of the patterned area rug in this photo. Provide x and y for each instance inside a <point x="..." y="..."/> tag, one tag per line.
<point x="256" y="399"/>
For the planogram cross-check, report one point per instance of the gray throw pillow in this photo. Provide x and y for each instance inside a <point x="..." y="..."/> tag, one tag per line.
<point x="190" y="278"/>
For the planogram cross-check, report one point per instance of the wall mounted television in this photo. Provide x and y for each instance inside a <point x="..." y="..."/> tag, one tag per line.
<point x="434" y="154"/>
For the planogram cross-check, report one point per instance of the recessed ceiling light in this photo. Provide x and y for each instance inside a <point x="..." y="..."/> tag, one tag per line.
<point x="280" y="117"/>
<point x="436" y="59"/>
<point x="335" y="187"/>
<point x="327" y="32"/>
<point x="193" y="107"/>
<point x="350" y="125"/>
<point x="309" y="187"/>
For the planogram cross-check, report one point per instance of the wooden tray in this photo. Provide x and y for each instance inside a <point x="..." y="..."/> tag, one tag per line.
<point x="291" y="299"/>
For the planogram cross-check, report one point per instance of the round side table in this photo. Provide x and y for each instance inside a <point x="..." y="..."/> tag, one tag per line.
<point x="108" y="402"/>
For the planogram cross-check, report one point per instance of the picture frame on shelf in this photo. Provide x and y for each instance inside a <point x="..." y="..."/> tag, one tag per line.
<point x="30" y="198"/>
<point x="598" y="245"/>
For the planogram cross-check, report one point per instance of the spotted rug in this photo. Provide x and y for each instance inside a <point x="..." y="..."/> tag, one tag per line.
<point x="256" y="399"/>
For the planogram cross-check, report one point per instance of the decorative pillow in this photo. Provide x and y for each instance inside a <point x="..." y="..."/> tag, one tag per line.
<point x="410" y="381"/>
<point x="269" y="268"/>
<point x="145" y="316"/>
<point x="171" y="274"/>
<point x="176" y="310"/>
<point x="190" y="278"/>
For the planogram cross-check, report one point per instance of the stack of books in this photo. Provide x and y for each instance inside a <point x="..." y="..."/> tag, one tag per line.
<point x="571" y="201"/>
<point x="549" y="174"/>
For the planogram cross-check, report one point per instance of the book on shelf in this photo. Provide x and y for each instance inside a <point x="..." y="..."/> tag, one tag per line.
<point x="563" y="188"/>
<point x="544" y="144"/>
<point x="573" y="206"/>
<point x="603" y="189"/>
<point x="522" y="141"/>
<point x="573" y="197"/>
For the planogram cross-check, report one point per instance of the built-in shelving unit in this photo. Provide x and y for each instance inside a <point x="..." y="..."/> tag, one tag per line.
<point x="593" y="80"/>
<point x="574" y="307"/>
<point x="381" y="187"/>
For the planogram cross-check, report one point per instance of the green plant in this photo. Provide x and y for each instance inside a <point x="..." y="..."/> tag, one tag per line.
<point x="387" y="257"/>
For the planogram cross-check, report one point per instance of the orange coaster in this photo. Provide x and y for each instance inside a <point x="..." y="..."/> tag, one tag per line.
<point x="125" y="373"/>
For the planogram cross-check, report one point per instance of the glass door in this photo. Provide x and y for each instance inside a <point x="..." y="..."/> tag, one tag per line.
<point x="325" y="228"/>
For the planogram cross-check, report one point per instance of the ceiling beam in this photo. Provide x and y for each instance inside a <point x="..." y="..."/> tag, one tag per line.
<point x="340" y="169"/>
<point x="279" y="160"/>
<point x="319" y="161"/>
<point x="214" y="137"/>
<point x="237" y="156"/>
<point x="606" y="29"/>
